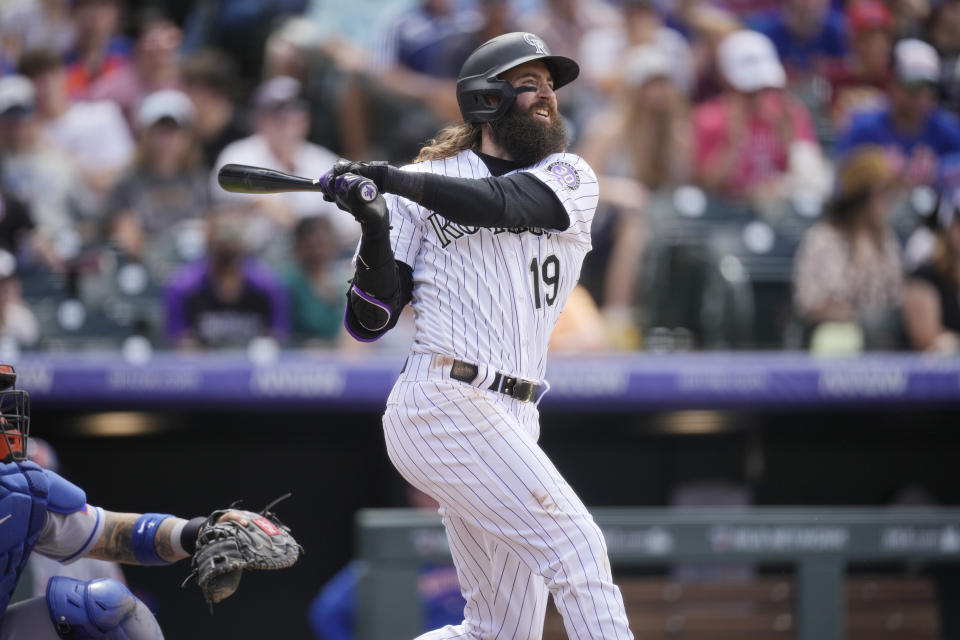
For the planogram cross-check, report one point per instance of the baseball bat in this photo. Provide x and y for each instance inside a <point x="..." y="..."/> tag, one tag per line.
<point x="241" y="178"/>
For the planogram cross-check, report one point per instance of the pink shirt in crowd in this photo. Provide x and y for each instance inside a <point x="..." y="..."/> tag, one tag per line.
<point x="763" y="146"/>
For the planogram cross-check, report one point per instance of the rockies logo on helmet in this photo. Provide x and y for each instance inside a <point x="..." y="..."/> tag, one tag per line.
<point x="536" y="43"/>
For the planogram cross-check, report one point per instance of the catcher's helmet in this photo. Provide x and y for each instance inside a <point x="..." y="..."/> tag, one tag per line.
<point x="479" y="75"/>
<point x="14" y="417"/>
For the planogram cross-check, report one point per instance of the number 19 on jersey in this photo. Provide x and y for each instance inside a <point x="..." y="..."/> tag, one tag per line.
<point x="549" y="274"/>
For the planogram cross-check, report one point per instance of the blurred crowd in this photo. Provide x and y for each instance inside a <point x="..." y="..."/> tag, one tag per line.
<point x="773" y="174"/>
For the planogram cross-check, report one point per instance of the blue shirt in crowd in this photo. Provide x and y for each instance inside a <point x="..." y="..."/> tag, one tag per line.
<point x="941" y="133"/>
<point x="798" y="54"/>
<point x="332" y="614"/>
<point x="422" y="42"/>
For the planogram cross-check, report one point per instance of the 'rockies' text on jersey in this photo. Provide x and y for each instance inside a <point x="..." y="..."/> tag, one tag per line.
<point x="493" y="296"/>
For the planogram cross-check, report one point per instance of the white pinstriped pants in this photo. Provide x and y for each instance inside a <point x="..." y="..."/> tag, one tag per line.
<point x="517" y="530"/>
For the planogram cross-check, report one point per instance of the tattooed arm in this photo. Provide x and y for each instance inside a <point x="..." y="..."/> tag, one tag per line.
<point x="116" y="541"/>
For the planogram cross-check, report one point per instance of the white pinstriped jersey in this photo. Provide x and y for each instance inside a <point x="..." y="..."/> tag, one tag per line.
<point x="493" y="296"/>
<point x="517" y="531"/>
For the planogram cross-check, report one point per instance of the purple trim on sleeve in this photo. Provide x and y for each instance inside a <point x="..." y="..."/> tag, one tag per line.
<point x="353" y="334"/>
<point x="375" y="303"/>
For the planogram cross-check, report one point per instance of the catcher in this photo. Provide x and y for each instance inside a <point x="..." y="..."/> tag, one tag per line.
<point x="42" y="512"/>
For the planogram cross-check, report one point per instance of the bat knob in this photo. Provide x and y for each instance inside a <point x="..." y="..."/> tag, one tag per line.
<point x="350" y="186"/>
<point x="367" y="191"/>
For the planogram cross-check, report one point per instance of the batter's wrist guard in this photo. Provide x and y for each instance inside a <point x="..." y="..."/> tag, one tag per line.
<point x="376" y="171"/>
<point x="376" y="269"/>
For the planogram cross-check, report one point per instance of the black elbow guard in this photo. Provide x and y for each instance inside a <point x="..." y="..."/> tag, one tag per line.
<point x="369" y="316"/>
<point x="372" y="314"/>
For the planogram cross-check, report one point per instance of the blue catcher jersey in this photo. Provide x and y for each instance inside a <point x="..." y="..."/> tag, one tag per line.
<point x="23" y="509"/>
<point x="26" y="493"/>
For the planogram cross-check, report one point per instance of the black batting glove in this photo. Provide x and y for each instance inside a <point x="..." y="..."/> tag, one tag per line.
<point x="376" y="171"/>
<point x="387" y="179"/>
<point x="360" y="197"/>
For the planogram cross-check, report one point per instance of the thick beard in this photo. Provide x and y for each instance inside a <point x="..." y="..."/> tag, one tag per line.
<point x="526" y="139"/>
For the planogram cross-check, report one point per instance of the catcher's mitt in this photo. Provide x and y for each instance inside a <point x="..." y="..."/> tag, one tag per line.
<point x="225" y="549"/>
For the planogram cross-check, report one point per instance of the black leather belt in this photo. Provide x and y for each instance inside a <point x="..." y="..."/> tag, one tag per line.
<point x="520" y="389"/>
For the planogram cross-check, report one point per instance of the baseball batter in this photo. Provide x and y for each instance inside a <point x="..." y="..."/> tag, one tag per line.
<point x="485" y="235"/>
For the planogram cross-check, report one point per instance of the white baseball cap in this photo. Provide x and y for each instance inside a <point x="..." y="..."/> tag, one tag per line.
<point x="916" y="61"/>
<point x="749" y="62"/>
<point x="278" y="91"/>
<point x="166" y="103"/>
<point x="16" y="93"/>
<point x="644" y="63"/>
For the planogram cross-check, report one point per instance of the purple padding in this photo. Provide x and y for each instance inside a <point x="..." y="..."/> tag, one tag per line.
<point x="597" y="383"/>
<point x="376" y="303"/>
<point x="354" y="334"/>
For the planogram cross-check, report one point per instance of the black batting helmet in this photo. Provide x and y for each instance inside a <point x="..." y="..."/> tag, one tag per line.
<point x="479" y="75"/>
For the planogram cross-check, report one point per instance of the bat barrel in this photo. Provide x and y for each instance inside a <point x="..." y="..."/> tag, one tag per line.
<point x="241" y="178"/>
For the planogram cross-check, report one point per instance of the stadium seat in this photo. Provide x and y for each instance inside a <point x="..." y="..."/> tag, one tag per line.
<point x="878" y="607"/>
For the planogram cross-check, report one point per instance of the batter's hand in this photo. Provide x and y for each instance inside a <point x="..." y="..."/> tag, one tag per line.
<point x="376" y="171"/>
<point x="360" y="197"/>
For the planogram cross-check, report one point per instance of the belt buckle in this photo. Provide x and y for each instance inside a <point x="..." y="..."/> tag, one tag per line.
<point x="523" y="390"/>
<point x="520" y="389"/>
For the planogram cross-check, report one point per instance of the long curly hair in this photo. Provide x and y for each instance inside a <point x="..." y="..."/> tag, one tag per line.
<point x="450" y="141"/>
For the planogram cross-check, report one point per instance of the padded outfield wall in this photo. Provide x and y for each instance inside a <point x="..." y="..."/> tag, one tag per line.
<point x="185" y="434"/>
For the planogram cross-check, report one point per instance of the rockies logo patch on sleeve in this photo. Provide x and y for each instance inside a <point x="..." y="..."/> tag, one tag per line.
<point x="567" y="174"/>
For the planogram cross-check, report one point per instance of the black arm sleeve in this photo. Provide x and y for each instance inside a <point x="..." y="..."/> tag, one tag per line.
<point x="376" y="270"/>
<point x="516" y="200"/>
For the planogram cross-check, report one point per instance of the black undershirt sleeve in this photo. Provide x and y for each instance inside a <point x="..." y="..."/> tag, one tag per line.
<point x="516" y="200"/>
<point x="512" y="201"/>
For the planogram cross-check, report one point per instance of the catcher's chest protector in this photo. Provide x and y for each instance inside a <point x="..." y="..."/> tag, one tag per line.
<point x="23" y="510"/>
